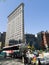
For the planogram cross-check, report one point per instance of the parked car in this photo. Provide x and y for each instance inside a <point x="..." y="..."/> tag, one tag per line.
<point x="2" y="55"/>
<point x="17" y="54"/>
<point x="44" y="61"/>
<point x="8" y="53"/>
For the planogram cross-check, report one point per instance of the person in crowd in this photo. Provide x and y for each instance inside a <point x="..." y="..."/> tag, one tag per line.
<point x="34" y="60"/>
<point x="39" y="63"/>
<point x="25" y="58"/>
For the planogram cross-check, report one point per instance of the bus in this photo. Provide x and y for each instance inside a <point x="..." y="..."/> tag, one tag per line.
<point x="13" y="51"/>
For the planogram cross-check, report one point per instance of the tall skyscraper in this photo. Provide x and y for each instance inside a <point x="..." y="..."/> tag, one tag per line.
<point x="15" y="28"/>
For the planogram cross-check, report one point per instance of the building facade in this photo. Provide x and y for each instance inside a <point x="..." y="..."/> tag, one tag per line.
<point x="43" y="39"/>
<point x="31" y="40"/>
<point x="15" y="28"/>
<point x="2" y="39"/>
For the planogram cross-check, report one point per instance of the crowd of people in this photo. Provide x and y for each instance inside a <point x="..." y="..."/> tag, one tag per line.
<point x="26" y="59"/>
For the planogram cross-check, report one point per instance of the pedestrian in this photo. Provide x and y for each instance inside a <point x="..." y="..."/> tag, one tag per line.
<point x="39" y="63"/>
<point x="25" y="58"/>
<point x="34" y="60"/>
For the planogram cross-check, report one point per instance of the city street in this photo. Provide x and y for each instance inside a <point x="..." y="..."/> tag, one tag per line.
<point x="11" y="62"/>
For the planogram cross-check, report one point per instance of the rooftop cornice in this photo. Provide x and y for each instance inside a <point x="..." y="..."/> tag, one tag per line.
<point x="16" y="9"/>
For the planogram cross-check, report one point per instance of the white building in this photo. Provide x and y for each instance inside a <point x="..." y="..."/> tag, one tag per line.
<point x="15" y="28"/>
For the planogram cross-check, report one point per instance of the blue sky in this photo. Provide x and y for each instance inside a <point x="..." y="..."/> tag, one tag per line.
<point x="36" y="14"/>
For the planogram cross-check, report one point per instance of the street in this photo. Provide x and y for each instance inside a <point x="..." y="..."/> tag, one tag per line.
<point x="11" y="62"/>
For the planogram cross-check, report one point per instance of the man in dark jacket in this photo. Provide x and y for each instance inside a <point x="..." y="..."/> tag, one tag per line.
<point x="25" y="58"/>
<point x="39" y="63"/>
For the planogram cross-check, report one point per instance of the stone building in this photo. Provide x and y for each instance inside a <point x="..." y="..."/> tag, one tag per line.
<point x="15" y="28"/>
